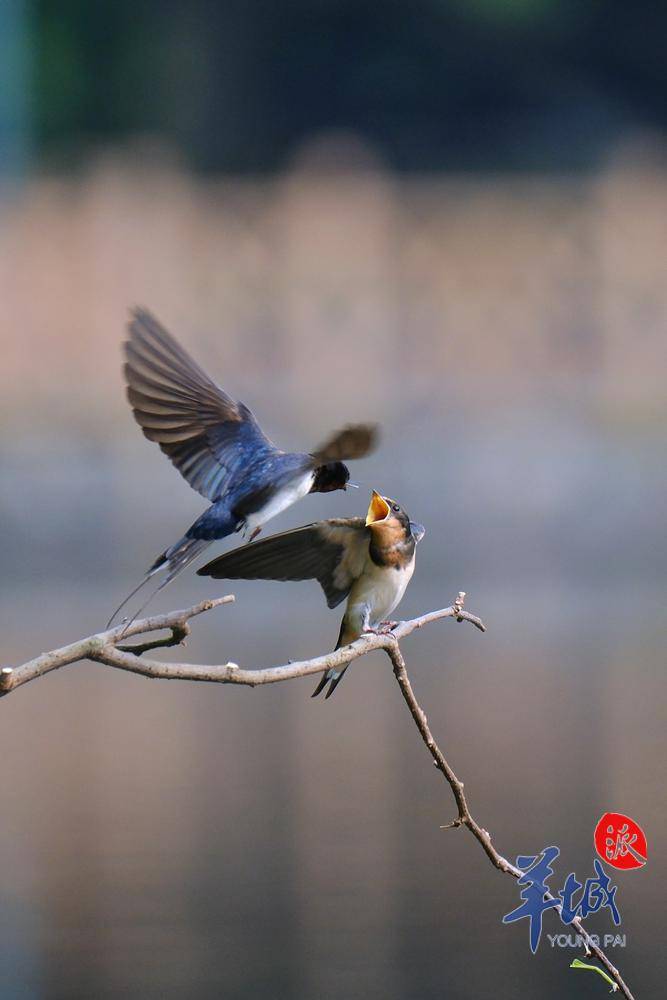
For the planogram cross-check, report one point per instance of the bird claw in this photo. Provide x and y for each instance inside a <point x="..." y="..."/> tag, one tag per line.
<point x="381" y="629"/>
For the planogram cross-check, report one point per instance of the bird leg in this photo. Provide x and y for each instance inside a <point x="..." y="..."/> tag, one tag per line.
<point x="366" y="626"/>
<point x="380" y="629"/>
<point x="254" y="534"/>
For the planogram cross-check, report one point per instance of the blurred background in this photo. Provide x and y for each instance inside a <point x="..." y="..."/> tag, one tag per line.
<point x="450" y="217"/>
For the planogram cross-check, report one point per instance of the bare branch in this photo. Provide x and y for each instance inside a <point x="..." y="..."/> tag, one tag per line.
<point x="106" y="647"/>
<point x="90" y="648"/>
<point x="465" y="819"/>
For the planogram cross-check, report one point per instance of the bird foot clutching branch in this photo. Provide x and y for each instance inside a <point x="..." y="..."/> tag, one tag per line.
<point x="383" y="628"/>
<point x="111" y="648"/>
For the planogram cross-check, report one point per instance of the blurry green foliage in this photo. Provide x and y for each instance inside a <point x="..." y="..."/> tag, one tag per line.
<point x="433" y="84"/>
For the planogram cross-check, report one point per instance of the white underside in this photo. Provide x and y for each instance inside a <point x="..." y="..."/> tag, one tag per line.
<point x="375" y="594"/>
<point x="280" y="502"/>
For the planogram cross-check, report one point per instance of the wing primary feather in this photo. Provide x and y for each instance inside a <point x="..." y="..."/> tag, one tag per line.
<point x="207" y="435"/>
<point x="353" y="441"/>
<point x="314" y="552"/>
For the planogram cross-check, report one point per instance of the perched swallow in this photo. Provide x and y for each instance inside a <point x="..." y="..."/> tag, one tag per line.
<point x="219" y="448"/>
<point x="368" y="561"/>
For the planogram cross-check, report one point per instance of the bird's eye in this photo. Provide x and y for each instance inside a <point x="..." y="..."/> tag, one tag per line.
<point x="396" y="507"/>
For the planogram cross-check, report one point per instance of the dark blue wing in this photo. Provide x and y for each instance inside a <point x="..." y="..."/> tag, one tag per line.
<point x="207" y="435"/>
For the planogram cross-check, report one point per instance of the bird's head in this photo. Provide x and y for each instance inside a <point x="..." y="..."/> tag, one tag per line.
<point x="386" y="517"/>
<point x="332" y="476"/>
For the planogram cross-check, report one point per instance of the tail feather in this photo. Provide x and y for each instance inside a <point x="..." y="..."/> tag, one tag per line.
<point x="332" y="678"/>
<point x="336" y="678"/>
<point x="324" y="680"/>
<point x="174" y="560"/>
<point x="334" y="675"/>
<point x="131" y="595"/>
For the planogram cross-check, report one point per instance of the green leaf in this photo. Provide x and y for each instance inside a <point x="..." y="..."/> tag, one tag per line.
<point x="578" y="964"/>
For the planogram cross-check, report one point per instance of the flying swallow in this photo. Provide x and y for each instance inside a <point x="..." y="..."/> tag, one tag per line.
<point x="219" y="448"/>
<point x="368" y="561"/>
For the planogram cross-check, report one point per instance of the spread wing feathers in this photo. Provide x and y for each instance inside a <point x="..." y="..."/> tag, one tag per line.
<point x="353" y="441"/>
<point x="204" y="432"/>
<point x="332" y="552"/>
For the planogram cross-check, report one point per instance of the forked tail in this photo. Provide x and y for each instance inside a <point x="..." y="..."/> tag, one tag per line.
<point x="334" y="674"/>
<point x="174" y="560"/>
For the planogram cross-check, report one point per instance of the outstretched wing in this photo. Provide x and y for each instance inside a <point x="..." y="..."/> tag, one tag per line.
<point x="353" y="441"/>
<point x="206" y="434"/>
<point x="332" y="552"/>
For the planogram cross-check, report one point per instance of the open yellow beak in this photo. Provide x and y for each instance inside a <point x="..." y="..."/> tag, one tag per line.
<point x="378" y="509"/>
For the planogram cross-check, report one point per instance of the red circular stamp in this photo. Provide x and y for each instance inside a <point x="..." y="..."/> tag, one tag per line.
<point x="620" y="841"/>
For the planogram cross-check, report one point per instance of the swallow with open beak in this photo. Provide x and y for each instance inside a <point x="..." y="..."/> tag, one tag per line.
<point x="368" y="561"/>
<point x="219" y="448"/>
